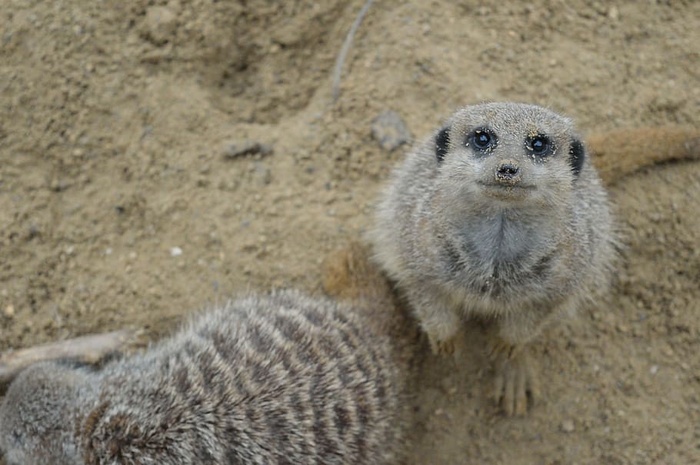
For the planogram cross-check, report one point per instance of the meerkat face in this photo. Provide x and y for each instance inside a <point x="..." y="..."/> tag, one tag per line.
<point x="36" y="423"/>
<point x="508" y="153"/>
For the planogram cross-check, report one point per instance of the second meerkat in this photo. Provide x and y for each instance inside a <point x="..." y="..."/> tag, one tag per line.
<point x="282" y="378"/>
<point x="498" y="215"/>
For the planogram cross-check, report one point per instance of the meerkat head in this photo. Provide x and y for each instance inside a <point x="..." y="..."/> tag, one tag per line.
<point x="509" y="153"/>
<point x="37" y="420"/>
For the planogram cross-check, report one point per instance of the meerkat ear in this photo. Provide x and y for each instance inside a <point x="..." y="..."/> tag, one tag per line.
<point x="442" y="143"/>
<point x="577" y="154"/>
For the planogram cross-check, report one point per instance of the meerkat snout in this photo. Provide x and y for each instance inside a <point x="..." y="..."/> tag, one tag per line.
<point x="508" y="173"/>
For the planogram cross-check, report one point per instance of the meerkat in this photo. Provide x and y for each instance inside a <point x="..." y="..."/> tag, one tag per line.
<point x="276" y="379"/>
<point x="500" y="216"/>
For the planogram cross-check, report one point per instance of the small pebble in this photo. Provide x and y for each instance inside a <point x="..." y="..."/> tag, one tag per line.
<point x="235" y="149"/>
<point x="160" y="24"/>
<point x="568" y="426"/>
<point x="262" y="174"/>
<point x="9" y="311"/>
<point x="654" y="369"/>
<point x="390" y="130"/>
<point x="175" y="252"/>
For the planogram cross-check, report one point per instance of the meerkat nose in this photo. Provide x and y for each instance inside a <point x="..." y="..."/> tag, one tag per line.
<point x="508" y="172"/>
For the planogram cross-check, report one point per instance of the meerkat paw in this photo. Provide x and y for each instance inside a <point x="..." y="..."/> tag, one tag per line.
<point x="443" y="346"/>
<point x="515" y="381"/>
<point x="442" y="329"/>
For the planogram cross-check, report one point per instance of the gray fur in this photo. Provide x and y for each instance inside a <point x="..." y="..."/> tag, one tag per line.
<point x="280" y="379"/>
<point x="461" y="243"/>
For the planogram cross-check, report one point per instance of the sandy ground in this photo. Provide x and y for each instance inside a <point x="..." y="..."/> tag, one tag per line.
<point x="124" y="203"/>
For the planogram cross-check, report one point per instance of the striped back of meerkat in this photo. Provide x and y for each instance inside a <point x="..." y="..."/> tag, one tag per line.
<point x="276" y="379"/>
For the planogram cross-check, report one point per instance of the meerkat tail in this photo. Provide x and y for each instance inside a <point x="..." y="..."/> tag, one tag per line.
<point x="89" y="349"/>
<point x="620" y="152"/>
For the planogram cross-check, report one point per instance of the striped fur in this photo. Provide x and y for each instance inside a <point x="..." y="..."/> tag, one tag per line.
<point x="276" y="379"/>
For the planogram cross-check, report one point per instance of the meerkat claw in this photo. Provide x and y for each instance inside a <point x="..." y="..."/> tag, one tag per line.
<point x="443" y="346"/>
<point x="501" y="349"/>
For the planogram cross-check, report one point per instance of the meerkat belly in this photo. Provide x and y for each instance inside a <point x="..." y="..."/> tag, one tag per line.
<point x="498" y="265"/>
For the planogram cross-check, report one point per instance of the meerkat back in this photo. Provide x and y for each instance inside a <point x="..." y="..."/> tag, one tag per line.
<point x="277" y="379"/>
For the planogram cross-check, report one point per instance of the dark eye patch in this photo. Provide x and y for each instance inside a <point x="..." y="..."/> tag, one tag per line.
<point x="442" y="143"/>
<point x="577" y="155"/>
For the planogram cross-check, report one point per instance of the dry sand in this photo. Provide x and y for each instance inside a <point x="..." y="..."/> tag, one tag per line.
<point x="121" y="204"/>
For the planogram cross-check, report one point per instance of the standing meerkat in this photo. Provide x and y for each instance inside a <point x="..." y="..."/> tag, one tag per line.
<point x="279" y="379"/>
<point x="499" y="215"/>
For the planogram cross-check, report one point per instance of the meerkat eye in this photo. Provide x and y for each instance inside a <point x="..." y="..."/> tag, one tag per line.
<point x="482" y="139"/>
<point x="539" y="145"/>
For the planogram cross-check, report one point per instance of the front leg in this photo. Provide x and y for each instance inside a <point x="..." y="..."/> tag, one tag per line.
<point x="440" y="322"/>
